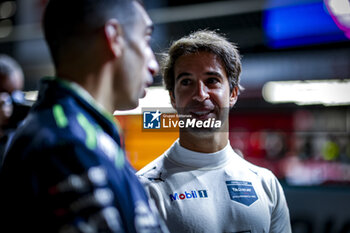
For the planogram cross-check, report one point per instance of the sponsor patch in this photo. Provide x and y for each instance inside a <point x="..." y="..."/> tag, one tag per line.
<point x="241" y="191"/>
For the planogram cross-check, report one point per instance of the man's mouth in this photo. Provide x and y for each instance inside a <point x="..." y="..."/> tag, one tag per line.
<point x="203" y="114"/>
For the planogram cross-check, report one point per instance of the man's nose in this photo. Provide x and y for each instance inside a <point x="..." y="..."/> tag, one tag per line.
<point x="153" y="66"/>
<point x="201" y="92"/>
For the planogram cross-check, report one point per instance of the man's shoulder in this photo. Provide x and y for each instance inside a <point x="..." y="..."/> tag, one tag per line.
<point x="153" y="167"/>
<point x="152" y="172"/>
<point x="53" y="126"/>
<point x="258" y="171"/>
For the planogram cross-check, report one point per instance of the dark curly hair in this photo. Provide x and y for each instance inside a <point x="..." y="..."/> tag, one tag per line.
<point x="208" y="41"/>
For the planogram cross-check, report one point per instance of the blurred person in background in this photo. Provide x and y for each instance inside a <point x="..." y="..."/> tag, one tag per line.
<point x="200" y="184"/>
<point x="66" y="170"/>
<point x="13" y="106"/>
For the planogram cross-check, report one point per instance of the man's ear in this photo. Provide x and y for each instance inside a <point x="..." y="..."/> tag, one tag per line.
<point x="233" y="96"/>
<point x="114" y="35"/>
<point x="172" y="99"/>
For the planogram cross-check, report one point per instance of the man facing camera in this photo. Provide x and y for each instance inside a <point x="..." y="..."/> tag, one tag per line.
<point x="200" y="184"/>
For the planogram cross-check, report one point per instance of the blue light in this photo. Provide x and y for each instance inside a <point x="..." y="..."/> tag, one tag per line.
<point x="297" y="25"/>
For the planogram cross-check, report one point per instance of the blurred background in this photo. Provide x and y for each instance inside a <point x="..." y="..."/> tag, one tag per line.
<point x="294" y="115"/>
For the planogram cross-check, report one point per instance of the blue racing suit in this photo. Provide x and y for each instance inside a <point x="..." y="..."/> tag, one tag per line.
<point x="66" y="171"/>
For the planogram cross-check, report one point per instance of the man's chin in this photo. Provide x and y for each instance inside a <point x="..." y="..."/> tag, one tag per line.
<point x="128" y="106"/>
<point x="205" y="126"/>
<point x="201" y="132"/>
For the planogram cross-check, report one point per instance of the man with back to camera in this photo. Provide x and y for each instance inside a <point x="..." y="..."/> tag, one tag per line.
<point x="200" y="184"/>
<point x="66" y="170"/>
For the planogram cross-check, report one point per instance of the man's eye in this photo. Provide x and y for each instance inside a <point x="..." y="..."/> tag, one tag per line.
<point x="185" y="82"/>
<point x="212" y="80"/>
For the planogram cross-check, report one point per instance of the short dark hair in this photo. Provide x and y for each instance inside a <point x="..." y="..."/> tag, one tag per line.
<point x="8" y="66"/>
<point x="69" y="20"/>
<point x="208" y="41"/>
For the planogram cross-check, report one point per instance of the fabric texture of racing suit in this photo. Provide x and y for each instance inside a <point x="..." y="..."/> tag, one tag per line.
<point x="215" y="192"/>
<point x="66" y="170"/>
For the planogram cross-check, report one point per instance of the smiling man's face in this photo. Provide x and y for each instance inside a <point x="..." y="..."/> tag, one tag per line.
<point x="201" y="87"/>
